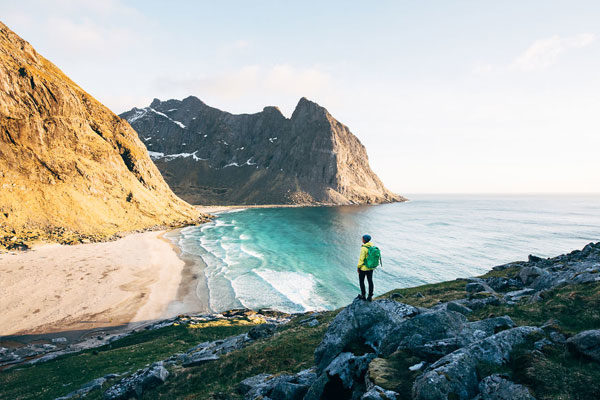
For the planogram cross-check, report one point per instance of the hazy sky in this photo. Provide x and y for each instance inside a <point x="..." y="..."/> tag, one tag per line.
<point x="447" y="96"/>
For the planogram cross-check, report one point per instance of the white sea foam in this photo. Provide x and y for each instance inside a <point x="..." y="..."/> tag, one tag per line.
<point x="296" y="286"/>
<point x="252" y="253"/>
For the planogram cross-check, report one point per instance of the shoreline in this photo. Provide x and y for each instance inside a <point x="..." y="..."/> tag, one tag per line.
<point x="222" y="209"/>
<point x="63" y="290"/>
<point x="193" y="295"/>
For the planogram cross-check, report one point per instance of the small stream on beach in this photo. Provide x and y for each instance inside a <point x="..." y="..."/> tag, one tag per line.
<point x="300" y="259"/>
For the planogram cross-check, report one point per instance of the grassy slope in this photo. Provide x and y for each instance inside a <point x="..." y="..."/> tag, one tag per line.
<point x="551" y="374"/>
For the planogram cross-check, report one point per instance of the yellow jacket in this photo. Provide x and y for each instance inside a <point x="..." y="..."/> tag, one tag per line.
<point x="364" y="250"/>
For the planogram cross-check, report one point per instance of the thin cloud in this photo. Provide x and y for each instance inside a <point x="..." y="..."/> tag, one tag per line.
<point x="544" y="53"/>
<point x="252" y="81"/>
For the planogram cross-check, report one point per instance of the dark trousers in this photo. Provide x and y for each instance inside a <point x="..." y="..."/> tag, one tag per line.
<point x="361" y="278"/>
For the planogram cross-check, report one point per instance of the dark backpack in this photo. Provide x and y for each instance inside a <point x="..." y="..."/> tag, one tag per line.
<point x="373" y="259"/>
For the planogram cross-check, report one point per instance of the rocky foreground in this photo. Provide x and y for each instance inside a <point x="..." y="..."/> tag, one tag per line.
<point x="525" y="330"/>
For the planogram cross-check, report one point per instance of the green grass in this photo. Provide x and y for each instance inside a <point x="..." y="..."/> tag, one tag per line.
<point x="557" y="374"/>
<point x="432" y="294"/>
<point x="575" y="307"/>
<point x="393" y="373"/>
<point x="67" y="373"/>
<point x="289" y="351"/>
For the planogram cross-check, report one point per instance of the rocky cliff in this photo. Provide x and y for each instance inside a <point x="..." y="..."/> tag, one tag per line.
<point x="209" y="156"/>
<point x="69" y="167"/>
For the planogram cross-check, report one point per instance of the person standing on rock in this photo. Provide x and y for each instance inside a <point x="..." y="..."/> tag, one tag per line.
<point x="369" y="259"/>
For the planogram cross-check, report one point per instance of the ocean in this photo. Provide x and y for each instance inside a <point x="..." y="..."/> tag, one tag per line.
<point x="304" y="258"/>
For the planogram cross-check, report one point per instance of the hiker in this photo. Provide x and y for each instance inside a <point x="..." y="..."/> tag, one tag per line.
<point x="370" y="258"/>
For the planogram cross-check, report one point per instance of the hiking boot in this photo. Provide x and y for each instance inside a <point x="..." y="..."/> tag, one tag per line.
<point x="370" y="298"/>
<point x="360" y="297"/>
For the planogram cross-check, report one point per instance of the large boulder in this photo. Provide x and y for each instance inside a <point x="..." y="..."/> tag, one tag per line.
<point x="586" y="343"/>
<point x="456" y="374"/>
<point x="495" y="387"/>
<point x="423" y="328"/>
<point x="361" y="322"/>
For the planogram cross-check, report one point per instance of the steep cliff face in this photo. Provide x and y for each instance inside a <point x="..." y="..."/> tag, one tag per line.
<point x="68" y="165"/>
<point x="210" y="156"/>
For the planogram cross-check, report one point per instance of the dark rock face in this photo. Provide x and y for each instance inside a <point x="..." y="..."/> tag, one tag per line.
<point x="209" y="156"/>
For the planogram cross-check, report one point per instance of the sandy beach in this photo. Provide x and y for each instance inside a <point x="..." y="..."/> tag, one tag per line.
<point x="57" y="288"/>
<point x="220" y="209"/>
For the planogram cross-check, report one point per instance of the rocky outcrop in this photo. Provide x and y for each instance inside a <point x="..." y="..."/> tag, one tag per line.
<point x="209" y="156"/>
<point x="537" y="275"/>
<point x="456" y="374"/>
<point x="70" y="169"/>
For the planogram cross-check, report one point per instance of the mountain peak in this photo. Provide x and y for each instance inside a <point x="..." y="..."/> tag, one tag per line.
<point x="308" y="108"/>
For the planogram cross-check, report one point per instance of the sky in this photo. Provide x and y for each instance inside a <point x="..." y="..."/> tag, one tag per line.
<point x="447" y="96"/>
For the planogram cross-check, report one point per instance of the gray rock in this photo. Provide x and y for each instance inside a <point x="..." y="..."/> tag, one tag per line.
<point x="531" y="273"/>
<point x="542" y="344"/>
<point x="557" y="337"/>
<point x="456" y="373"/>
<point x="423" y="328"/>
<point x="378" y="393"/>
<point x="277" y="387"/>
<point x="316" y="390"/>
<point x="586" y="343"/>
<point x="478" y="330"/>
<point x="138" y="382"/>
<point x="517" y="295"/>
<point x="457" y="307"/>
<point x="198" y="358"/>
<point x="349" y="368"/>
<point x="360" y="322"/>
<point x="495" y="387"/>
<point x="84" y="389"/>
<point x="288" y="391"/>
<point x="475" y="287"/>
<point x="477" y="304"/>
<point x="210" y="351"/>
<point x="249" y="383"/>
<point x="262" y="331"/>
<point x="306" y="377"/>
<point x="59" y="340"/>
<point x="500" y="284"/>
<point x="435" y="349"/>
<point x="264" y="390"/>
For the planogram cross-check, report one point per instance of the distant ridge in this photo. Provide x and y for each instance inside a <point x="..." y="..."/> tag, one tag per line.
<point x="209" y="156"/>
<point x="69" y="167"/>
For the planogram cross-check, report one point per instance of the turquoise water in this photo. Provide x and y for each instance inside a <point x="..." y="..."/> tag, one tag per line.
<point x="298" y="259"/>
